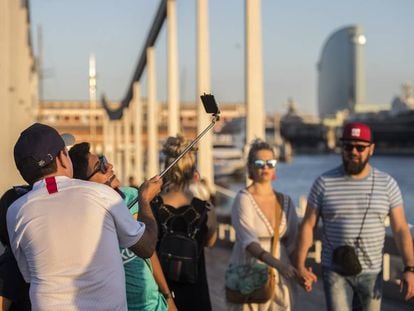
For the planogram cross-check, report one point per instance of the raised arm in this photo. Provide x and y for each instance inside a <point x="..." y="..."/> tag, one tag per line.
<point x="145" y="247"/>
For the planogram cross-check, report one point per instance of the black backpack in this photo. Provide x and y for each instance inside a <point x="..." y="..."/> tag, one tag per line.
<point x="178" y="250"/>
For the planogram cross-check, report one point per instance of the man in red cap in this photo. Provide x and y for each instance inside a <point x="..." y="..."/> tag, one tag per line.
<point x="353" y="201"/>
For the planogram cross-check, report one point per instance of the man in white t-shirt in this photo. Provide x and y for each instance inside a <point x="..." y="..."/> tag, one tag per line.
<point x="66" y="233"/>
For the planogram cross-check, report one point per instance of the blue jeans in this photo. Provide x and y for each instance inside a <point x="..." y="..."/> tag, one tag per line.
<point x="359" y="292"/>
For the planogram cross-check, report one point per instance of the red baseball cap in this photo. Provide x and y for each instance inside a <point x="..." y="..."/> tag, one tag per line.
<point x="357" y="131"/>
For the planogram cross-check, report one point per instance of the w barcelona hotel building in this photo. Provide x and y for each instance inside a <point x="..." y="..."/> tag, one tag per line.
<point x="341" y="82"/>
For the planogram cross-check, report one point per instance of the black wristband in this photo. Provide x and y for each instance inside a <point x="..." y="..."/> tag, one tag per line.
<point x="409" y="269"/>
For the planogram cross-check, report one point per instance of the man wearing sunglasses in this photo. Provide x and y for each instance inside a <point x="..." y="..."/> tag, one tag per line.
<point x="144" y="279"/>
<point x="66" y="233"/>
<point x="353" y="201"/>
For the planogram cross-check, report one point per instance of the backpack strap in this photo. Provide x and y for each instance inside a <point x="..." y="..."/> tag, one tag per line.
<point x="197" y="214"/>
<point x="204" y="206"/>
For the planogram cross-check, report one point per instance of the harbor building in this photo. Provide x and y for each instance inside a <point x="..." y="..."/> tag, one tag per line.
<point x="18" y="83"/>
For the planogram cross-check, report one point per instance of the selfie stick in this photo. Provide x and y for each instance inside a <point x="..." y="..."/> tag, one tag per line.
<point x="216" y="117"/>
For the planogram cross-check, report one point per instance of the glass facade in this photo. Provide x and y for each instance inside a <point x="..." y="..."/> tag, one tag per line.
<point x="341" y="72"/>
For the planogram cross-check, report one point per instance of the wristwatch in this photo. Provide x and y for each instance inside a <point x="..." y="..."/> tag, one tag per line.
<point x="409" y="269"/>
<point x="169" y="295"/>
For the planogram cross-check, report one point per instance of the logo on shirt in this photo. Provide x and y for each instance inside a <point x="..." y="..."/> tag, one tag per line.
<point x="127" y="255"/>
<point x="356" y="132"/>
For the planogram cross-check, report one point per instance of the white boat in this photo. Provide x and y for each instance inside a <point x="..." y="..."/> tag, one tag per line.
<point x="228" y="157"/>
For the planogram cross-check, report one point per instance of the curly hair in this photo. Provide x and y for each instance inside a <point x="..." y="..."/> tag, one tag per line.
<point x="182" y="172"/>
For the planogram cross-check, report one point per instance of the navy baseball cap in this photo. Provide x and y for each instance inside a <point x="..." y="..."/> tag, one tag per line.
<point x="38" y="145"/>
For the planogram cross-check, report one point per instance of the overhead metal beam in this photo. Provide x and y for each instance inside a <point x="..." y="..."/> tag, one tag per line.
<point x="142" y="62"/>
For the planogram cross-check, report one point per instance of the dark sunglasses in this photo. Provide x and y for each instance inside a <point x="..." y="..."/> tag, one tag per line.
<point x="262" y="163"/>
<point x="102" y="167"/>
<point x="359" y="148"/>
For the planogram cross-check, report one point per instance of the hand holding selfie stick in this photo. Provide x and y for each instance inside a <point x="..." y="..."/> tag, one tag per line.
<point x="210" y="106"/>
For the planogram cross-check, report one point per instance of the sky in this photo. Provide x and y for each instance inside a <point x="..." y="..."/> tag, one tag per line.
<point x="293" y="35"/>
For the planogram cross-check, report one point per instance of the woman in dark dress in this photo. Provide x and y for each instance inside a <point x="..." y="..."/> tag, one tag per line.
<point x="177" y="209"/>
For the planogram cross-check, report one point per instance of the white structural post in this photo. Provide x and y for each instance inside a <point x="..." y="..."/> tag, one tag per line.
<point x="105" y="133"/>
<point x="119" y="169"/>
<point x="127" y="144"/>
<point x="110" y="147"/>
<point x="7" y="165"/>
<point x="137" y="126"/>
<point x="92" y="102"/>
<point x="205" y="154"/>
<point x="152" y="124"/>
<point x="18" y="84"/>
<point x="117" y="143"/>
<point x="386" y="267"/>
<point x="255" y="116"/>
<point x="173" y="91"/>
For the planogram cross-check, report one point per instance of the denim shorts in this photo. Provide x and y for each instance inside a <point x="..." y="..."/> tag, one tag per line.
<point x="359" y="292"/>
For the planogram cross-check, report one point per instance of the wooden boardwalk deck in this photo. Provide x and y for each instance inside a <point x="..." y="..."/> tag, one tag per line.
<point x="217" y="260"/>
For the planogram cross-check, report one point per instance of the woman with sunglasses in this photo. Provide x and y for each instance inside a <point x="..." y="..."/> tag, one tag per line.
<point x="146" y="287"/>
<point x="254" y="215"/>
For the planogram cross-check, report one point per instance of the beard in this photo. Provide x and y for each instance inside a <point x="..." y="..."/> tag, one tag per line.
<point x="354" y="168"/>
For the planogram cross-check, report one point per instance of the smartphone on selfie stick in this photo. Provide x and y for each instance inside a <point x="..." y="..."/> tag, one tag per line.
<point x="210" y="106"/>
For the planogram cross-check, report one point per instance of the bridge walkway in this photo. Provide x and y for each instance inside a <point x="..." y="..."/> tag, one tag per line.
<point x="217" y="259"/>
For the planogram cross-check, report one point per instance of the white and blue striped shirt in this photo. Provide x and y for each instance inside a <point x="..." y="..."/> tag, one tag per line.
<point x="343" y="201"/>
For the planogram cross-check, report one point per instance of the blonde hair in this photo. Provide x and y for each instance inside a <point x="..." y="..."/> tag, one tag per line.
<point x="182" y="172"/>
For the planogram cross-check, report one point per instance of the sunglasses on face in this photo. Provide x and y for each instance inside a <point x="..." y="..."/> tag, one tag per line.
<point x="359" y="148"/>
<point x="102" y="167"/>
<point x="262" y="163"/>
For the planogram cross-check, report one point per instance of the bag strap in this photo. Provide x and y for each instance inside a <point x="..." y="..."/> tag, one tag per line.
<point x="278" y="220"/>
<point x="358" y="238"/>
<point x="203" y="205"/>
<point x="195" y="225"/>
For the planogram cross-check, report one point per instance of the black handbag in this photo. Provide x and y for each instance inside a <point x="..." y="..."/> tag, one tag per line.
<point x="346" y="261"/>
<point x="345" y="258"/>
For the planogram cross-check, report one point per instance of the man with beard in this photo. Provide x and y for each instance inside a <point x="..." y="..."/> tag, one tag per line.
<point x="353" y="201"/>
